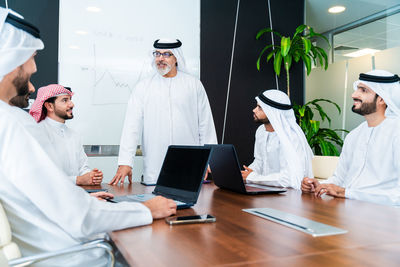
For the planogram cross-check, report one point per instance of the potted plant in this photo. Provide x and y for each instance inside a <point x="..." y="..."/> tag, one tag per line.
<point x="299" y="47"/>
<point x="323" y="141"/>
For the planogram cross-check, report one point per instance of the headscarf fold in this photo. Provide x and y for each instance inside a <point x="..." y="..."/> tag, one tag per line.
<point x="390" y="92"/>
<point x="16" y="45"/>
<point x="290" y="136"/>
<point x="43" y="94"/>
<point x="177" y="53"/>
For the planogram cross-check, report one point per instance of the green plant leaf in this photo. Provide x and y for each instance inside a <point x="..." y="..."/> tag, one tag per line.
<point x="261" y="54"/>
<point x="296" y="56"/>
<point x="322" y="113"/>
<point x="313" y="34"/>
<point x="324" y="55"/>
<point x="317" y="53"/>
<point x="267" y="30"/>
<point x="314" y="125"/>
<point x="299" y="29"/>
<point x="324" y="100"/>
<point x="285" y="46"/>
<point x="307" y="45"/>
<point x="277" y="63"/>
<point x="301" y="111"/>
<point x="271" y="54"/>
<point x="307" y="62"/>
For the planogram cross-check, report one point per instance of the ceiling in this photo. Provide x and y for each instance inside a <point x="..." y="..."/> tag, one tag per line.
<point x="381" y="34"/>
<point x="318" y="17"/>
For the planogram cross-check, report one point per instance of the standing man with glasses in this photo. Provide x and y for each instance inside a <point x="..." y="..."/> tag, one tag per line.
<point x="169" y="107"/>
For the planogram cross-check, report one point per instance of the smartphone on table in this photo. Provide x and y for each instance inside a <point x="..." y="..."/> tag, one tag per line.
<point x="205" y="218"/>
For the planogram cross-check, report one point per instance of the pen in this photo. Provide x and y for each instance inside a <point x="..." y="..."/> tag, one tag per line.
<point x="294" y="224"/>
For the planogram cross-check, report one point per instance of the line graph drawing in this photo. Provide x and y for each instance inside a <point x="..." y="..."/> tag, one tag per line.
<point x="111" y="85"/>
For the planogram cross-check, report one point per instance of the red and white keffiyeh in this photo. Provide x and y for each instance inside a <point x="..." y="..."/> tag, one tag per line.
<point x="43" y="94"/>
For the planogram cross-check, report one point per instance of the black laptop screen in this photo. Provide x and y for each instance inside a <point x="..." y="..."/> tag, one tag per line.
<point x="183" y="168"/>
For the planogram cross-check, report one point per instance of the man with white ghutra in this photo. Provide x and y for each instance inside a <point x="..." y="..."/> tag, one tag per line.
<point x="369" y="165"/>
<point x="45" y="209"/>
<point x="170" y="107"/>
<point x="282" y="156"/>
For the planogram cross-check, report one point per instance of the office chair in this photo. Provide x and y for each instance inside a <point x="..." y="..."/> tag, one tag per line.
<point x="324" y="166"/>
<point x="11" y="256"/>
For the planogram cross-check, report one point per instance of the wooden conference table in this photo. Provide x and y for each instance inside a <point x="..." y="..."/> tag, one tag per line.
<point x="238" y="238"/>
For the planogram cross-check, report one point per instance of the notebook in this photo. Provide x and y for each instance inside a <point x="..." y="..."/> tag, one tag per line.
<point x="180" y="177"/>
<point x="227" y="174"/>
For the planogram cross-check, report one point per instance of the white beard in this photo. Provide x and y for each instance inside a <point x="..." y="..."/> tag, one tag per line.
<point x="164" y="71"/>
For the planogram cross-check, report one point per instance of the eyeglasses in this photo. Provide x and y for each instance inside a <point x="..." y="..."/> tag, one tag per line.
<point x="165" y="54"/>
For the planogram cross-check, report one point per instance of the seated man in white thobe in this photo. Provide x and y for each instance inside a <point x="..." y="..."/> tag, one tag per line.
<point x="369" y="165"/>
<point x="46" y="210"/>
<point x="168" y="108"/>
<point x="282" y="156"/>
<point x="52" y="107"/>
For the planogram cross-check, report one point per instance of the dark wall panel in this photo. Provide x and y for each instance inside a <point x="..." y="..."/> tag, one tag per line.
<point x="217" y="28"/>
<point x="44" y="14"/>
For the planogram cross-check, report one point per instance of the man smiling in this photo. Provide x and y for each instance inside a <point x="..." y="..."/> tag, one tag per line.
<point x="369" y="165"/>
<point x="169" y="107"/>
<point x="52" y="107"/>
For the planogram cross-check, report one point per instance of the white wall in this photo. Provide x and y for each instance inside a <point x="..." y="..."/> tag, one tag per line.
<point x="336" y="84"/>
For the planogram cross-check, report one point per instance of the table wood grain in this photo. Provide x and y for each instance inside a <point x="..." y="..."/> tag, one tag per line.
<point x="242" y="239"/>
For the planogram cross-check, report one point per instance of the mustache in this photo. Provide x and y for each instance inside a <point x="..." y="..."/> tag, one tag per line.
<point x="357" y="99"/>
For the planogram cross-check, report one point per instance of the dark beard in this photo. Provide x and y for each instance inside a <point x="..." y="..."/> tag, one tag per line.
<point x="21" y="83"/>
<point x="263" y="121"/>
<point x="21" y="101"/>
<point x="365" y="108"/>
<point x="63" y="116"/>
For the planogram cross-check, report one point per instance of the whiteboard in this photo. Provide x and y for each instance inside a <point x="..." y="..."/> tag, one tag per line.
<point x="104" y="52"/>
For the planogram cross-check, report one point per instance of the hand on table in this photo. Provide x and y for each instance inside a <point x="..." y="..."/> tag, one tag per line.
<point x="308" y="185"/>
<point x="330" y="189"/>
<point x="122" y="172"/>
<point x="94" y="177"/>
<point x="161" y="207"/>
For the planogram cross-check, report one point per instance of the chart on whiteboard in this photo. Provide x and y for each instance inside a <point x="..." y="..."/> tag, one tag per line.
<point x="105" y="48"/>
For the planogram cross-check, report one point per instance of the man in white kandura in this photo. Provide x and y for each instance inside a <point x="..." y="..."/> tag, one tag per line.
<point x="46" y="210"/>
<point x="170" y="107"/>
<point x="369" y="165"/>
<point x="52" y="107"/>
<point x="282" y="156"/>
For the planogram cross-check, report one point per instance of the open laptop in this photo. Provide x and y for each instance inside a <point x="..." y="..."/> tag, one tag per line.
<point x="180" y="178"/>
<point x="226" y="173"/>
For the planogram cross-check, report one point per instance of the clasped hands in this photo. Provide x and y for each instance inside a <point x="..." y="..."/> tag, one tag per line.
<point x="311" y="185"/>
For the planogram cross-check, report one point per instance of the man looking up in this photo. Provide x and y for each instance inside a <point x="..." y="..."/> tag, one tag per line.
<point x="170" y="107"/>
<point x="282" y="156"/>
<point x="52" y="107"/>
<point x="46" y="210"/>
<point x="369" y="165"/>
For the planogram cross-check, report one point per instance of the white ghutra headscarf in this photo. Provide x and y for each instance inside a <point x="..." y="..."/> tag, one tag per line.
<point x="18" y="41"/>
<point x="277" y="107"/>
<point x="384" y="84"/>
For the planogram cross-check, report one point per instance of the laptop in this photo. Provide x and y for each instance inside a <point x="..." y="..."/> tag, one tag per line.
<point x="227" y="174"/>
<point x="180" y="177"/>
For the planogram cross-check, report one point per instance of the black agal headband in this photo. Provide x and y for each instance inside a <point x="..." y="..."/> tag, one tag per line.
<point x="272" y="103"/>
<point x="379" y="79"/>
<point x="167" y="45"/>
<point x="23" y="25"/>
